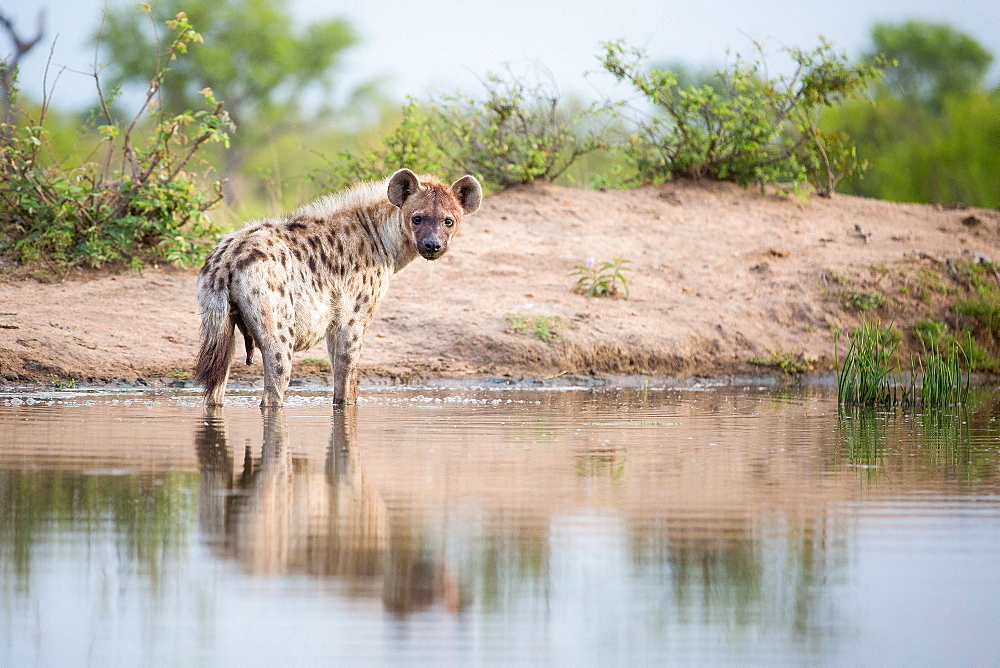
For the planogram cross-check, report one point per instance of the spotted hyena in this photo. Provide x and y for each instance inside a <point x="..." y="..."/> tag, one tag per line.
<point x="285" y="283"/>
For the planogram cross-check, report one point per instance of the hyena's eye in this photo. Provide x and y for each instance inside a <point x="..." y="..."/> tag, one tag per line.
<point x="417" y="220"/>
<point x="448" y="222"/>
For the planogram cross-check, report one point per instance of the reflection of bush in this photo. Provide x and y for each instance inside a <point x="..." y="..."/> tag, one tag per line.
<point x="152" y="514"/>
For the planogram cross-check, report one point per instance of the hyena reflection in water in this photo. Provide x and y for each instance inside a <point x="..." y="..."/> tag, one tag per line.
<point x="286" y="283"/>
<point x="317" y="516"/>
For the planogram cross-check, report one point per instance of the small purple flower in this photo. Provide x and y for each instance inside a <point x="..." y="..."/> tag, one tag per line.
<point x="589" y="263"/>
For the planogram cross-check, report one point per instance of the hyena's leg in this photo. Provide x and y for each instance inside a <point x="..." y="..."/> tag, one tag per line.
<point x="344" y="345"/>
<point x="277" y="355"/>
<point x="270" y="320"/>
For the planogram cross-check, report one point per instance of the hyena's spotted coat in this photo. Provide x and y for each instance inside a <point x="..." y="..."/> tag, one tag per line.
<point x="320" y="272"/>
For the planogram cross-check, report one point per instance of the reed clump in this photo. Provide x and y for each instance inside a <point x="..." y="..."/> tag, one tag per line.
<point x="944" y="380"/>
<point x="871" y="374"/>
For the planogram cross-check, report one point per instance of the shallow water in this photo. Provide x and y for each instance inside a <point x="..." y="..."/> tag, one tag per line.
<point x="497" y="526"/>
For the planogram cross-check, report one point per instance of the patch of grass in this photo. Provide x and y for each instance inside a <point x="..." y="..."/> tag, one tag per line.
<point x="864" y="379"/>
<point x="831" y="276"/>
<point x="945" y="382"/>
<point x="925" y="282"/>
<point x="975" y="274"/>
<point x="932" y="332"/>
<point x="984" y="309"/>
<point x="980" y="359"/>
<point x="862" y="300"/>
<point x="604" y="278"/>
<point x="791" y="363"/>
<point x="839" y="288"/>
<point x="545" y="328"/>
<point x="62" y="383"/>
<point x="324" y="365"/>
<point x="879" y="270"/>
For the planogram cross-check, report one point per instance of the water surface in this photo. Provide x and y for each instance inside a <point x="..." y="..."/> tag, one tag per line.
<point x="497" y="526"/>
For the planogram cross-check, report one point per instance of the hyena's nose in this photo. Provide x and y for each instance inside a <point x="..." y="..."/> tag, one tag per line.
<point x="432" y="245"/>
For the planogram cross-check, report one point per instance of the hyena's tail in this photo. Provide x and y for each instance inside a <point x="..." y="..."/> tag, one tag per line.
<point x="216" y="351"/>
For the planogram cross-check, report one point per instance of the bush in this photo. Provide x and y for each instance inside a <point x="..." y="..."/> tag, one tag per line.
<point x="518" y="133"/>
<point x="135" y="201"/>
<point x="982" y="306"/>
<point x="410" y="145"/>
<point x="601" y="279"/>
<point x="747" y="127"/>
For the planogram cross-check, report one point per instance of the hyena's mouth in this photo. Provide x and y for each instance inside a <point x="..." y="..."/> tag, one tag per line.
<point x="431" y="249"/>
<point x="431" y="255"/>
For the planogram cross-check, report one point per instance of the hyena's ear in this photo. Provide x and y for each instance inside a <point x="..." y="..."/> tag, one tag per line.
<point x="469" y="193"/>
<point x="402" y="184"/>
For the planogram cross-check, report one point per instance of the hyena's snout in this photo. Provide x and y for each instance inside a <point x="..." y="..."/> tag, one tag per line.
<point x="432" y="246"/>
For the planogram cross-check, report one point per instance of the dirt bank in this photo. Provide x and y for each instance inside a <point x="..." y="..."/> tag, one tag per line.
<point x="719" y="276"/>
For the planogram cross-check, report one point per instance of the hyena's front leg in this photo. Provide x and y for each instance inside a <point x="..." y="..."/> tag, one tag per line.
<point x="344" y="345"/>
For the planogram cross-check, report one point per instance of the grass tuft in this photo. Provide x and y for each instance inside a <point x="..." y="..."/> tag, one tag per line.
<point x="866" y="379"/>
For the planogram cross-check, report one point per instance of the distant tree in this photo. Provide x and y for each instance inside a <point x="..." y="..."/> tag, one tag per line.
<point x="252" y="57"/>
<point x="933" y="134"/>
<point x="8" y="65"/>
<point x="934" y="60"/>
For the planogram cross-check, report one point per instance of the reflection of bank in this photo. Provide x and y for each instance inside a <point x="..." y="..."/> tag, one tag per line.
<point x="285" y="515"/>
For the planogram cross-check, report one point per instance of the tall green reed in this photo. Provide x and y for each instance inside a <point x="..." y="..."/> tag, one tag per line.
<point x="864" y="379"/>
<point x="868" y="376"/>
<point x="945" y="383"/>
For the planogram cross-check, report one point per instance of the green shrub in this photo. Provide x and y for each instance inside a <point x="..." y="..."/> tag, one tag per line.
<point x="602" y="279"/>
<point x="410" y="145"/>
<point x="747" y="127"/>
<point x="135" y="200"/>
<point x="863" y="300"/>
<point x="517" y="133"/>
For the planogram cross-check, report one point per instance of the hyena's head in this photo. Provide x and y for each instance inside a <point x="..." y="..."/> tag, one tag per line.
<point x="432" y="211"/>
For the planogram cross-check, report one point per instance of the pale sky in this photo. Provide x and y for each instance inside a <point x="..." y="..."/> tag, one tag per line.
<point x="444" y="45"/>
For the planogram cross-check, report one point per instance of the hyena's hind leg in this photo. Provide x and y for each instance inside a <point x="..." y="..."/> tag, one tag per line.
<point x="270" y="322"/>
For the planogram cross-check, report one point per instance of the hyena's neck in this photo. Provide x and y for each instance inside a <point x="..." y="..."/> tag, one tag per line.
<point x="384" y="230"/>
